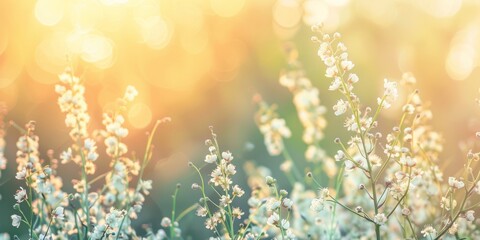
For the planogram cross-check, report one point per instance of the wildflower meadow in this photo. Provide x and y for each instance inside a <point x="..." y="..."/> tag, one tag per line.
<point x="239" y="119"/>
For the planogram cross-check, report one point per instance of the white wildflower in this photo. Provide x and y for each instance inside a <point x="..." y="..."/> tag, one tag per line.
<point x="20" y="195"/>
<point x="429" y="231"/>
<point x="130" y="93"/>
<point x="390" y="94"/>
<point x="336" y="83"/>
<point x="145" y="186"/>
<point x="469" y="215"/>
<point x="166" y="222"/>
<point x="16" y="220"/>
<point x="285" y="224"/>
<point x="58" y="213"/>
<point x="453" y="182"/>
<point x="287" y="203"/>
<point x="237" y="191"/>
<point x="317" y="204"/>
<point x="210" y="158"/>
<point x="380" y="219"/>
<point x="273" y="219"/>
<point x="341" y="107"/>
<point x="227" y="156"/>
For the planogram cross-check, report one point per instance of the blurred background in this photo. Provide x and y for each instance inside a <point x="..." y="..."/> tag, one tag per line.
<point x="200" y="62"/>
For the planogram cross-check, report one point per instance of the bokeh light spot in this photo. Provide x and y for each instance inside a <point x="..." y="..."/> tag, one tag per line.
<point x="337" y="3"/>
<point x="460" y="61"/>
<point x="315" y="12"/>
<point x="228" y="8"/>
<point x="441" y="8"/>
<point x="49" y="12"/>
<point x="113" y="2"/>
<point x="155" y="31"/>
<point x="139" y="115"/>
<point x="96" y="48"/>
<point x="287" y="13"/>
<point x="85" y="14"/>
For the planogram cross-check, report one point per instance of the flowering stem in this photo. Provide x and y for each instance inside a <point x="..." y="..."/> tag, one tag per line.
<point x="26" y="222"/>
<point x="48" y="228"/>
<point x="174" y="196"/>
<point x="411" y="227"/>
<point x="186" y="211"/>
<point x="338" y="183"/>
<point x="75" y="216"/>
<point x="460" y="210"/>
<point x="98" y="178"/>
<point x="85" y="191"/>
<point x="205" y="197"/>
<point x="404" y="195"/>
<point x="372" y="182"/>
<point x="31" y="209"/>
<point x="146" y="158"/>
<point x="29" y="182"/>
<point x="390" y="155"/>
<point x="279" y="211"/>
<point x="349" y="209"/>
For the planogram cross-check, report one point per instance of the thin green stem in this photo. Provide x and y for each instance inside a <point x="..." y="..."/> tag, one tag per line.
<point x="411" y="227"/>
<point x="186" y="211"/>
<point x="174" y="203"/>
<point x="48" y="228"/>
<point x="349" y="209"/>
<point x="338" y="184"/>
<point x="146" y="158"/>
<point x="205" y="198"/>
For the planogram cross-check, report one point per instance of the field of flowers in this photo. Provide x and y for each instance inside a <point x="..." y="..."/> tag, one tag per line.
<point x="211" y="119"/>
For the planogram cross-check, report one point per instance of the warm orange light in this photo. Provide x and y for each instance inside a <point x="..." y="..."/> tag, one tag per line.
<point x="228" y="8"/>
<point x="139" y="115"/>
<point x="287" y="13"/>
<point x="113" y="2"/>
<point x="50" y="12"/>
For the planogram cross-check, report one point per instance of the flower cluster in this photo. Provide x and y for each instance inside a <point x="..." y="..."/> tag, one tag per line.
<point x="309" y="110"/>
<point x="49" y="212"/>
<point x="221" y="214"/>
<point x="408" y="167"/>
<point x="272" y="127"/>
<point x="380" y="173"/>
<point x="72" y="103"/>
<point x="42" y="194"/>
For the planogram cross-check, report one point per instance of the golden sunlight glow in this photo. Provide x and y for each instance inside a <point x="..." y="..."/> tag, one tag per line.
<point x="139" y="115"/>
<point x="85" y="14"/>
<point x="315" y="12"/>
<point x="287" y="13"/>
<point x="113" y="2"/>
<point x="11" y="69"/>
<point x="51" y="54"/>
<point x="96" y="49"/>
<point x="337" y="3"/>
<point x="385" y="74"/>
<point x="460" y="61"/>
<point x="155" y="32"/>
<point x="49" y="12"/>
<point x="462" y="57"/>
<point x="228" y="8"/>
<point x="194" y="43"/>
<point x="441" y="8"/>
<point x="3" y="42"/>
